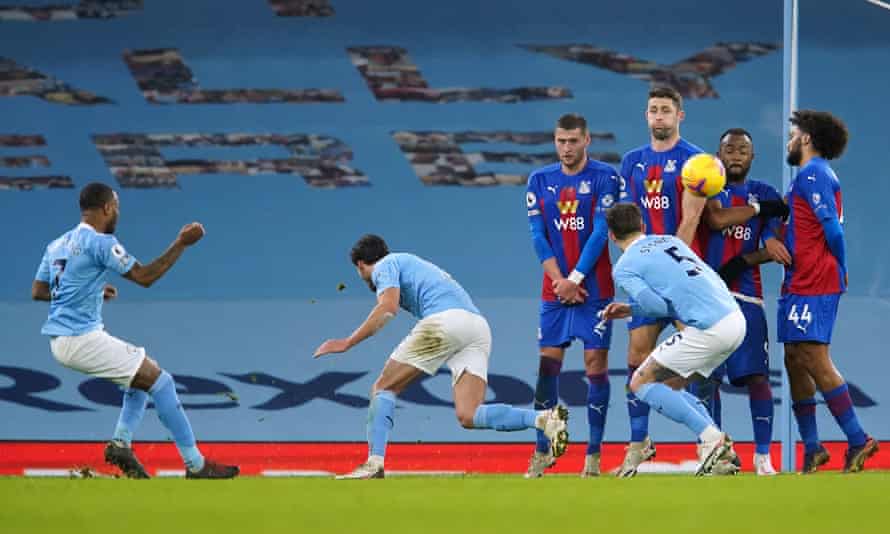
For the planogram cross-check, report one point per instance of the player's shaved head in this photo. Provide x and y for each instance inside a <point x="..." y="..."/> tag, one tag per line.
<point x="828" y="133"/>
<point x="624" y="219"/>
<point x="369" y="249"/>
<point x="740" y="132"/>
<point x="95" y="195"/>
<point x="99" y="207"/>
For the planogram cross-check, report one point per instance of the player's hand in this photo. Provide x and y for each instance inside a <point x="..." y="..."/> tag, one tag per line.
<point x="109" y="292"/>
<point x="190" y="234"/>
<point x="616" y="310"/>
<point x="581" y="296"/>
<point x="774" y="208"/>
<point x="568" y="292"/>
<point x="777" y="251"/>
<point x="331" y="346"/>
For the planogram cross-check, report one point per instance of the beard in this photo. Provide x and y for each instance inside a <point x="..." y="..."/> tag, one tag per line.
<point x="371" y="286"/>
<point x="736" y="174"/>
<point x="571" y="162"/>
<point x="111" y="226"/>
<point x="794" y="156"/>
<point x="662" y="134"/>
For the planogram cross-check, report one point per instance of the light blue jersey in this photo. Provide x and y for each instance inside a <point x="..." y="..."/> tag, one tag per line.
<point x="664" y="278"/>
<point x="75" y="266"/>
<point x="425" y="288"/>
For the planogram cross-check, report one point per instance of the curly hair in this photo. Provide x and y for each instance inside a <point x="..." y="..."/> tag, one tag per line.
<point x="369" y="249"/>
<point x="829" y="133"/>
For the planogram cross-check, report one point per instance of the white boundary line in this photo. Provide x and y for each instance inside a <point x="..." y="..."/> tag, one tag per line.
<point x="37" y="472"/>
<point x="878" y="3"/>
<point x="170" y="473"/>
<point x="280" y="473"/>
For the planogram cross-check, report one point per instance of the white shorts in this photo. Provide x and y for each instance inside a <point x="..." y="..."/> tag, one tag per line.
<point x="99" y="354"/>
<point x="701" y="351"/>
<point x="458" y="338"/>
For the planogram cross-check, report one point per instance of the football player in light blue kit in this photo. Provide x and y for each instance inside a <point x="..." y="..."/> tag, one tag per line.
<point x="664" y="278"/>
<point x="72" y="277"/>
<point x="450" y="331"/>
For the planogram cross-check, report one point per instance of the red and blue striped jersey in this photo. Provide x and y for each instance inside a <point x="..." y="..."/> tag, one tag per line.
<point x="565" y="213"/>
<point x="652" y="181"/>
<point x="813" y="196"/>
<point x="721" y="246"/>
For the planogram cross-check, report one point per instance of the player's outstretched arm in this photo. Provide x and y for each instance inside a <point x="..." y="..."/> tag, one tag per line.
<point x="386" y="308"/>
<point x="717" y="217"/>
<point x="693" y="206"/>
<point x="146" y="275"/>
<point x="40" y="291"/>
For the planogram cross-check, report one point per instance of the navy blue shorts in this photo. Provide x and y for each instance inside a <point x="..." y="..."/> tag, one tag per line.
<point x="752" y="356"/>
<point x="807" y="318"/>
<point x="636" y="322"/>
<point x="560" y="324"/>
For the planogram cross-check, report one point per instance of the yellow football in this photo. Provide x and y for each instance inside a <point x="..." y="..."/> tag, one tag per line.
<point x="703" y="175"/>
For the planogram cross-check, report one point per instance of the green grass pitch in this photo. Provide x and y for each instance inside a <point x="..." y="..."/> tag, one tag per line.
<point x="492" y="504"/>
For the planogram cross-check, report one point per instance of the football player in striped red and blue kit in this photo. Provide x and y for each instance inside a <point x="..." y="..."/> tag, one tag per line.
<point x="813" y="285"/>
<point x="651" y="179"/>
<point x="732" y="248"/>
<point x="566" y="204"/>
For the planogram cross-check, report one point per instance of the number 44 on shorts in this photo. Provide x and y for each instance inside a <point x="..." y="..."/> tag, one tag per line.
<point x="802" y="320"/>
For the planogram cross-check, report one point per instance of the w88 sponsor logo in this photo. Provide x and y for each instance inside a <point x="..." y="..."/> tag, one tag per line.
<point x="574" y="224"/>
<point x="737" y="231"/>
<point x="660" y="202"/>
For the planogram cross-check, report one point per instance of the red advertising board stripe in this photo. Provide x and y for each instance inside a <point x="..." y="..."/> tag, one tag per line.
<point x="270" y="459"/>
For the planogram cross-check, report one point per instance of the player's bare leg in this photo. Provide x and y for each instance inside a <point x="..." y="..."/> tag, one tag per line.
<point x="803" y="396"/>
<point x="641" y="343"/>
<point x="393" y="379"/>
<point x="546" y="398"/>
<point x="834" y="390"/>
<point x="596" y="367"/>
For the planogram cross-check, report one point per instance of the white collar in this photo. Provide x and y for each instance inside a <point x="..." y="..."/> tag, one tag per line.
<point x="85" y="225"/>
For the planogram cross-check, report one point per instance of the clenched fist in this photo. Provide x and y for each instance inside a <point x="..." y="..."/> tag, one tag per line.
<point x="191" y="234"/>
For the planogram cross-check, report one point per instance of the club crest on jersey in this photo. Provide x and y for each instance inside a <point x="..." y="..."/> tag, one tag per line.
<point x="671" y="166"/>
<point x="567" y="207"/>
<point x="584" y="188"/>
<point x="817" y="198"/>
<point x="607" y="200"/>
